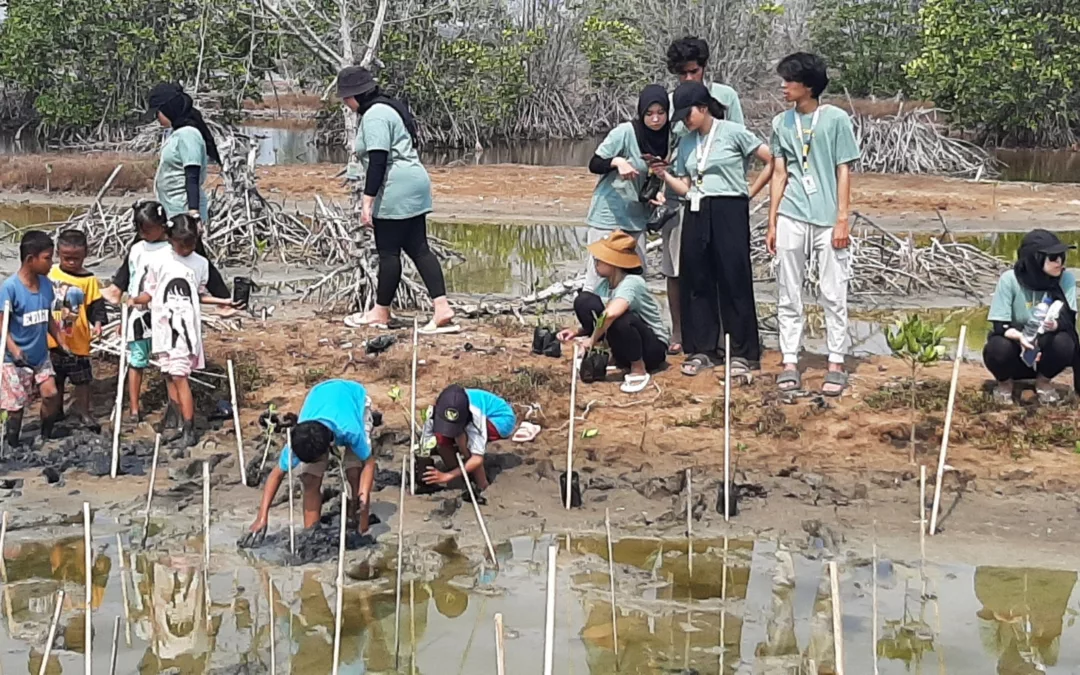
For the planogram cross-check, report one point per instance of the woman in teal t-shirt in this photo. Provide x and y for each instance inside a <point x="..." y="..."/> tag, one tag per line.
<point x="397" y="197"/>
<point x="1039" y="273"/>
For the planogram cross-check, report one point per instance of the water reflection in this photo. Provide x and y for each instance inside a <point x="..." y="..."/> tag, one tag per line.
<point x="1039" y="166"/>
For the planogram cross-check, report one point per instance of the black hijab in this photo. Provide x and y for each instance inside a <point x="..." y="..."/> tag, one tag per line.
<point x="365" y="101"/>
<point x="1036" y="246"/>
<point x="180" y="110"/>
<point x="651" y="142"/>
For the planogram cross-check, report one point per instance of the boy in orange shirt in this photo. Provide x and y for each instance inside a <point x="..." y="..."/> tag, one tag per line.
<point x="79" y="311"/>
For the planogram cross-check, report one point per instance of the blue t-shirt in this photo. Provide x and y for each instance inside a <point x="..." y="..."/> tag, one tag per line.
<point x="29" y="327"/>
<point x="493" y="409"/>
<point x="342" y="406"/>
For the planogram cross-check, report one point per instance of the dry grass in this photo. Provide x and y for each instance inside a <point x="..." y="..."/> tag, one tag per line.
<point x="287" y="101"/>
<point x="76" y="173"/>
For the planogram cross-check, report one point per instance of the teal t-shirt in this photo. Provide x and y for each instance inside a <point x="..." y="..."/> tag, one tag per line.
<point x="1013" y="303"/>
<point x="721" y="92"/>
<point x="406" y="192"/>
<point x="633" y="290"/>
<point x="342" y="406"/>
<point x="833" y="144"/>
<point x="615" y="202"/>
<point x="725" y="168"/>
<point x="184" y="147"/>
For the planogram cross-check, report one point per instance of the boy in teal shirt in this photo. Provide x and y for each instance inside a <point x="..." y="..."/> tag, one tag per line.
<point x="814" y="146"/>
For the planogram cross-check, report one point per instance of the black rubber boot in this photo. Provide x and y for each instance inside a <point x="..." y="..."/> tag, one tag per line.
<point x="188" y="438"/>
<point x="14" y="431"/>
<point x="170" y="421"/>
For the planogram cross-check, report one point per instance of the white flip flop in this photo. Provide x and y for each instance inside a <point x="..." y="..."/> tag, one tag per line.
<point x="356" y="320"/>
<point x="633" y="384"/>
<point x="431" y="329"/>
<point x="526" y="432"/>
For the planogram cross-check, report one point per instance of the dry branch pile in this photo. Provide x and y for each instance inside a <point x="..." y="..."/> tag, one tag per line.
<point x="912" y="142"/>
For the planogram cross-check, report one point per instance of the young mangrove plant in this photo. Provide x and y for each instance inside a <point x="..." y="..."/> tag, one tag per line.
<point x="918" y="344"/>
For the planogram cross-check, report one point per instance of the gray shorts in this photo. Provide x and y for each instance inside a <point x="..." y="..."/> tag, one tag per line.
<point x="671" y="237"/>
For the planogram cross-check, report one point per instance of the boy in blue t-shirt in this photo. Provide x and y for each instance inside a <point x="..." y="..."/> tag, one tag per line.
<point x="26" y="355"/>
<point x="463" y="422"/>
<point x="335" y="413"/>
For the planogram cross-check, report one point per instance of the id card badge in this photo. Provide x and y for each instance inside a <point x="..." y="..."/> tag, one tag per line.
<point x="695" y="201"/>
<point x="809" y="185"/>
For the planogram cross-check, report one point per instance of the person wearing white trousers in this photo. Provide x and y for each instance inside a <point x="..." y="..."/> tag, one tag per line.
<point x="814" y="146"/>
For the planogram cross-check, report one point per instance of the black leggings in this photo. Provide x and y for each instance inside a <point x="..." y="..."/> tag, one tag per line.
<point x="1002" y="356"/>
<point x="409" y="235"/>
<point x="629" y="337"/>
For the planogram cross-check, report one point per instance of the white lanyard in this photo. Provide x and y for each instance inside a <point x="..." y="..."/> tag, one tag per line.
<point x="703" y="153"/>
<point x="804" y="140"/>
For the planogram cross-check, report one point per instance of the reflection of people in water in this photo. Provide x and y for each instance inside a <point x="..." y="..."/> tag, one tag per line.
<point x="1022" y="615"/>
<point x="173" y="619"/>
<point x="781" y="647"/>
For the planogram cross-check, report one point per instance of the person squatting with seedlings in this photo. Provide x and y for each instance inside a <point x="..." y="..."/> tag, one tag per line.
<point x="463" y="422"/>
<point x="335" y="413"/>
<point x="815" y="146"/>
<point x="621" y="313"/>
<point x="397" y="197"/>
<point x="716" y="277"/>
<point x="175" y="285"/>
<point x="30" y="323"/>
<point x="1038" y="275"/>
<point x="79" y="311"/>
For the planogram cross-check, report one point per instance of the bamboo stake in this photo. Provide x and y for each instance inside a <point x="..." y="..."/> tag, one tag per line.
<point x="123" y="589"/>
<point x="150" y="490"/>
<point x="52" y="630"/>
<point x="340" y="601"/>
<point x="266" y="450"/>
<point x="273" y="638"/>
<point x="206" y="515"/>
<point x="689" y="533"/>
<point x="236" y="424"/>
<point x="292" y="517"/>
<point x="412" y="407"/>
<point x="500" y="645"/>
<point x="570" y="435"/>
<point x="549" y="616"/>
<point x="412" y="627"/>
<point x="838" y="627"/>
<point x="479" y="515"/>
<point x="115" y="645"/>
<point x="922" y="521"/>
<point x="611" y="580"/>
<point x="3" y="536"/>
<point x="948" y="427"/>
<point x="120" y="381"/>
<point x="727" y="427"/>
<point x="88" y="627"/>
<point x="874" y="603"/>
<point x="3" y="341"/>
<point x="723" y="606"/>
<point x="401" y="557"/>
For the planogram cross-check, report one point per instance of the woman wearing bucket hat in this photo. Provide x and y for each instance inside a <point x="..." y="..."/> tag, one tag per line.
<point x="1038" y="276"/>
<point x="397" y="197"/>
<point x="715" y="276"/>
<point x="622" y="312"/>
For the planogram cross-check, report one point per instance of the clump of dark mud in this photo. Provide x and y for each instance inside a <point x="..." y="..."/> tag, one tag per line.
<point x="82" y="450"/>
<point x="316" y="544"/>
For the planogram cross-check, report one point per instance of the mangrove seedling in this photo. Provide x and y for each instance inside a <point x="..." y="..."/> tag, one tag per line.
<point x="918" y="344"/>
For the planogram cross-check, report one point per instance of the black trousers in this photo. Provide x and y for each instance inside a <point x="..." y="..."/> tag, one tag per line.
<point x="716" y="280"/>
<point x="629" y="338"/>
<point x="409" y="235"/>
<point x="1002" y="356"/>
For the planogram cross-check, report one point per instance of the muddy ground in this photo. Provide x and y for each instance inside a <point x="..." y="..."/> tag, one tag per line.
<point x="812" y="472"/>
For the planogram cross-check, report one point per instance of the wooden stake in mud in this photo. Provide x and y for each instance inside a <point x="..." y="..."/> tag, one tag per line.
<point x="206" y="514"/>
<point x="611" y="579"/>
<point x="689" y="532"/>
<point x="3" y="341"/>
<point x="115" y="645"/>
<point x="922" y="518"/>
<point x="121" y="378"/>
<point x="52" y="631"/>
<point x="3" y="536"/>
<point x="236" y="424"/>
<point x="412" y="407"/>
<point x="549" y="615"/>
<point x="727" y="427"/>
<point x="150" y="490"/>
<point x="400" y="558"/>
<point x="837" y="623"/>
<point x="266" y="450"/>
<point x="573" y="415"/>
<point x="123" y="588"/>
<point x="340" y="600"/>
<point x="948" y="426"/>
<point x="292" y="516"/>
<point x="723" y="605"/>
<point x="88" y="627"/>
<point x="500" y="645"/>
<point x="476" y="510"/>
<point x="273" y="637"/>
<point x="874" y="603"/>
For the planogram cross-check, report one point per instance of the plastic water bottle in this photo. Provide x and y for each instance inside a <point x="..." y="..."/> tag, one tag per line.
<point x="1034" y="325"/>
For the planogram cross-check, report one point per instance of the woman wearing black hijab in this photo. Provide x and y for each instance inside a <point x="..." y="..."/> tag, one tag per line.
<point x="1039" y="274"/>
<point x="619" y="200"/>
<point x="182" y="164"/>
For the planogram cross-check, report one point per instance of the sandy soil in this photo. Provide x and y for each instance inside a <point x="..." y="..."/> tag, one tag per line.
<point x="829" y="469"/>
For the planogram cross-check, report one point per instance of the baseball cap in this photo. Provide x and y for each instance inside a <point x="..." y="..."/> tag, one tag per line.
<point x="452" y="413"/>
<point x="688" y="95"/>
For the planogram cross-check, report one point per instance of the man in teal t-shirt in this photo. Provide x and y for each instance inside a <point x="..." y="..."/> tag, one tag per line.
<point x="813" y="146"/>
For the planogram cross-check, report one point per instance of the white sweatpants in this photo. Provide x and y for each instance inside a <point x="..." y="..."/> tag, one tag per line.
<point x="796" y="243"/>
<point x="594" y="235"/>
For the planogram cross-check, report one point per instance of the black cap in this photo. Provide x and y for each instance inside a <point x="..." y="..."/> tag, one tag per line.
<point x="452" y="413"/>
<point x="160" y="95"/>
<point x="355" y="81"/>
<point x="1044" y="241"/>
<point x="688" y="95"/>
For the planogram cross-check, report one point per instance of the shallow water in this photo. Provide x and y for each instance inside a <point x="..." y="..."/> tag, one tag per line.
<point x="777" y="615"/>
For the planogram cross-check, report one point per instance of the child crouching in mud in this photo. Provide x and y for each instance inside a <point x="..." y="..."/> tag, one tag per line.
<point x="462" y="423"/>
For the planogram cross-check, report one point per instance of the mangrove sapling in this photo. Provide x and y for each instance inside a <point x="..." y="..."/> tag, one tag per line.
<point x="918" y="344"/>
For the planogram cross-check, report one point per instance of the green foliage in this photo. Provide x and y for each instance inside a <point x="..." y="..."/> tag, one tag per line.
<point x="866" y="43"/>
<point x="89" y="63"/>
<point x="609" y="45"/>
<point x="916" y="341"/>
<point x="1008" y="68"/>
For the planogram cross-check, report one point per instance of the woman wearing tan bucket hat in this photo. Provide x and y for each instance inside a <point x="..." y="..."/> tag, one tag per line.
<point x="632" y="326"/>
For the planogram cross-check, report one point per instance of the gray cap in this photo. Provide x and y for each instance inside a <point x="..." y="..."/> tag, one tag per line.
<point x="355" y="81"/>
